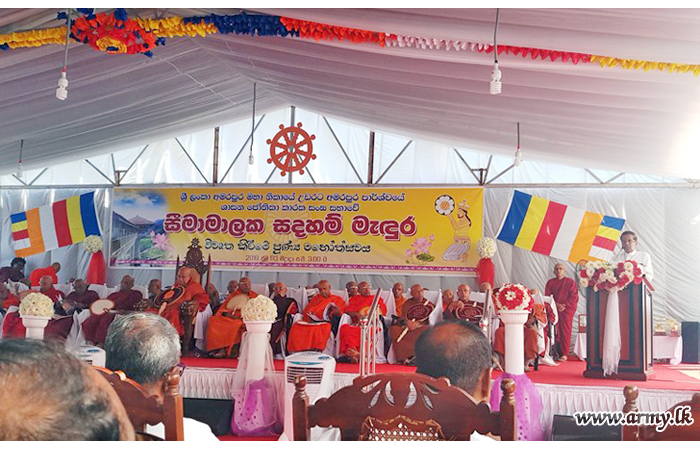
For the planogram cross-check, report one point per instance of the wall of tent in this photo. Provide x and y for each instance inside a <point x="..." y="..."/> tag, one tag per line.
<point x="664" y="213"/>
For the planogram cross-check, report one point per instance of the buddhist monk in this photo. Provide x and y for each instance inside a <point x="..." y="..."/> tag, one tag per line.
<point x="349" y="334"/>
<point x="195" y="299"/>
<point x="313" y="331"/>
<point x="225" y="327"/>
<point x="286" y="308"/>
<point x="399" y="297"/>
<point x="6" y="298"/>
<point x="81" y="298"/>
<point x="125" y="299"/>
<point x="51" y="271"/>
<point x="565" y="293"/>
<point x="530" y="344"/>
<point x="46" y="288"/>
<point x="404" y="343"/>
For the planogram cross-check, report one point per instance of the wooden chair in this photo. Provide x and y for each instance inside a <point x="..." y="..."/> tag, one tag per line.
<point x="403" y="407"/>
<point x="671" y="433"/>
<point x="148" y="410"/>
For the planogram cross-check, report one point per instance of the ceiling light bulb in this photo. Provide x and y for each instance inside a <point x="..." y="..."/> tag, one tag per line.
<point x="20" y="172"/>
<point x="495" y="85"/>
<point x="518" y="158"/>
<point x="251" y="160"/>
<point x="62" y="89"/>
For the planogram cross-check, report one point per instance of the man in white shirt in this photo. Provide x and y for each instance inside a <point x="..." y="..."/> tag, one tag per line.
<point x="146" y="347"/>
<point x="629" y="252"/>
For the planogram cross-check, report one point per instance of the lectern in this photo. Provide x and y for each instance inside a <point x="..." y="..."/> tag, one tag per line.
<point x="636" y="331"/>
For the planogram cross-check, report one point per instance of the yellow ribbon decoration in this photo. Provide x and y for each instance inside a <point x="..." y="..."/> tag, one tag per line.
<point x="34" y="38"/>
<point x="636" y="64"/>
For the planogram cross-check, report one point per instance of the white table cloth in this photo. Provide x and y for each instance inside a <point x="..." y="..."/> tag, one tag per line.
<point x="665" y="347"/>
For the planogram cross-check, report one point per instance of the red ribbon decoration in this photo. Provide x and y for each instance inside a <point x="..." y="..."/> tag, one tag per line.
<point x="322" y="31"/>
<point x="107" y="34"/>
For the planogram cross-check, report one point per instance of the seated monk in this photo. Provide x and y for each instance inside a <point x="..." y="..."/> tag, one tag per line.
<point x="125" y="299"/>
<point x="46" y="288"/>
<point x="462" y="308"/>
<point x="399" y="297"/>
<point x="81" y="298"/>
<point x="6" y="298"/>
<point x="195" y="300"/>
<point x="51" y="271"/>
<point x="530" y="346"/>
<point x="224" y="330"/>
<point x="404" y="332"/>
<point x="349" y="335"/>
<point x="313" y="331"/>
<point x="448" y="298"/>
<point x="286" y="308"/>
<point x="56" y="328"/>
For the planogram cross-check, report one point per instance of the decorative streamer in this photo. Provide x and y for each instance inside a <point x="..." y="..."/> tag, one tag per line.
<point x="262" y="25"/>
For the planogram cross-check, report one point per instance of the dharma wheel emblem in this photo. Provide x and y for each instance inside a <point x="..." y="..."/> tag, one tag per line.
<point x="291" y="149"/>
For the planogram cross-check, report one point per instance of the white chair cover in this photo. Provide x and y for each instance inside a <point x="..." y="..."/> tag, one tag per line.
<point x="64" y="288"/>
<point x="260" y="289"/>
<point x="543" y="346"/>
<point x="76" y="337"/>
<point x="102" y="290"/>
<point x="200" y="328"/>
<point x="11" y="309"/>
<point x="140" y="288"/>
<point x="16" y="287"/>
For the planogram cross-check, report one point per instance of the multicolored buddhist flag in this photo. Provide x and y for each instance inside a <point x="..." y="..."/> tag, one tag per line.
<point x="559" y="231"/>
<point x="52" y="226"/>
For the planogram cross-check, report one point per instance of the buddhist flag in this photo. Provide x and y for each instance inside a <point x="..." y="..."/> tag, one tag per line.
<point x="52" y="226"/>
<point x="559" y="231"/>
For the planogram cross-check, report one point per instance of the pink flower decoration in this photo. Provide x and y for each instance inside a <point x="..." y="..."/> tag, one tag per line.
<point x="162" y="242"/>
<point x="421" y="245"/>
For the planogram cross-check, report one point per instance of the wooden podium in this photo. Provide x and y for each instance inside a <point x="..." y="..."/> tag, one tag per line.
<point x="636" y="331"/>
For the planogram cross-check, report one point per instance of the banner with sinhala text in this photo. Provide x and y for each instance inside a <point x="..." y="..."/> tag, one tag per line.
<point x="301" y="228"/>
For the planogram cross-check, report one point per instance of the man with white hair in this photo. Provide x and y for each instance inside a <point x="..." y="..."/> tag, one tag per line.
<point x="146" y="347"/>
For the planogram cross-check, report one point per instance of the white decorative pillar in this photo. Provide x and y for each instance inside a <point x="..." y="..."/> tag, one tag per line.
<point x="515" y="336"/>
<point x="35" y="326"/>
<point x="258" y="341"/>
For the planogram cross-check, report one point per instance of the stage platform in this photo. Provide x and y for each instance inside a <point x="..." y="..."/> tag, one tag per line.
<point x="563" y="389"/>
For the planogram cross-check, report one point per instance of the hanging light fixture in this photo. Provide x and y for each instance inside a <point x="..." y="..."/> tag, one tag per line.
<point x="518" y="154"/>
<point x="20" y="172"/>
<point x="62" y="89"/>
<point x="495" y="85"/>
<point x="251" y="159"/>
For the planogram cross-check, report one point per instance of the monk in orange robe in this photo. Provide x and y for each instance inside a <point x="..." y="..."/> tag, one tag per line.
<point x="349" y="334"/>
<point x="51" y="271"/>
<point x="399" y="298"/>
<point x="195" y="299"/>
<point x="313" y="331"/>
<point x="56" y="328"/>
<point x="404" y="349"/>
<point x="125" y="299"/>
<point x="6" y="297"/>
<point x="226" y="326"/>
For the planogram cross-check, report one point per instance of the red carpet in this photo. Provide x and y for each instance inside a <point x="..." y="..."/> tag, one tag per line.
<point x="569" y="373"/>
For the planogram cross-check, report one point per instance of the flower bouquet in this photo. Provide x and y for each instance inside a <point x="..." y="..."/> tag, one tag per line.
<point x="604" y="275"/>
<point x="259" y="309"/>
<point x="514" y="297"/>
<point x="485" y="271"/>
<point x="97" y="269"/>
<point x="35" y="309"/>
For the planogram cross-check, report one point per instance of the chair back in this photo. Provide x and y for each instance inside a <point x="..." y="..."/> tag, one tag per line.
<point x="403" y="407"/>
<point x="671" y="432"/>
<point x="147" y="410"/>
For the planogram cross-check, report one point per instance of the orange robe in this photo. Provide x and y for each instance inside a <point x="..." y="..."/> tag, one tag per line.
<point x="309" y="336"/>
<point x="530" y="336"/>
<point x="399" y="305"/>
<point x="350" y="335"/>
<point x="10" y="300"/>
<point x="37" y="274"/>
<point x="193" y="292"/>
<point x="224" y="331"/>
<point x="405" y="349"/>
<point x="53" y="293"/>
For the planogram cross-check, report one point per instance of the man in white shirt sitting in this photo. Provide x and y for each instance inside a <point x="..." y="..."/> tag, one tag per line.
<point x="146" y="347"/>
<point x="629" y="253"/>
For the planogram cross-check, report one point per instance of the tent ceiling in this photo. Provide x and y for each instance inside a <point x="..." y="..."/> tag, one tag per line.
<point x="584" y="115"/>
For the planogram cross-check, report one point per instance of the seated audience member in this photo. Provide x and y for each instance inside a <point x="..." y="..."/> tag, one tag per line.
<point x="314" y="330"/>
<point x="349" y="334"/>
<point x="56" y="328"/>
<point x="448" y="297"/>
<point x="125" y="299"/>
<point x="225" y="327"/>
<point x="146" y="348"/>
<point x="485" y="286"/>
<point x="399" y="297"/>
<point x="286" y="308"/>
<point x="46" y="288"/>
<point x="154" y="288"/>
<point x="15" y="271"/>
<point x="81" y="298"/>
<point x="530" y="342"/>
<point x="6" y="298"/>
<point x="50" y="271"/>
<point x="462" y="308"/>
<point x="213" y="295"/>
<point x="404" y="332"/>
<point x="195" y="300"/>
<point x="460" y="352"/>
<point x="47" y="394"/>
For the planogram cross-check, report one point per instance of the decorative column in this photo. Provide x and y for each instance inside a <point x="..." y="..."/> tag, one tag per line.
<point x="35" y="326"/>
<point x="515" y="337"/>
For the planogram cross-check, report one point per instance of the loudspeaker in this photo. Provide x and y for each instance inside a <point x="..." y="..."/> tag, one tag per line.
<point x="691" y="342"/>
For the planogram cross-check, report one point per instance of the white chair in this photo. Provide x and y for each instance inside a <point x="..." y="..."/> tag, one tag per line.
<point x="434" y="297"/>
<point x="76" y="337"/>
<point x="200" y="328"/>
<point x="140" y="288"/>
<point x="298" y="294"/>
<point x="101" y="289"/>
<point x="64" y="288"/>
<point x="260" y="289"/>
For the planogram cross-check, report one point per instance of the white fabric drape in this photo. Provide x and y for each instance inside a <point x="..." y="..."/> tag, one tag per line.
<point x="612" y="342"/>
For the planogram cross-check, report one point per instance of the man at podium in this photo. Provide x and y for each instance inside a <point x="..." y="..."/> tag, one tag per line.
<point x="629" y="252"/>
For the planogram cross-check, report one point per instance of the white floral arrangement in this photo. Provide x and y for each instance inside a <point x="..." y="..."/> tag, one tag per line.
<point x="486" y="247"/>
<point x="259" y="309"/>
<point x="36" y="304"/>
<point x="92" y="243"/>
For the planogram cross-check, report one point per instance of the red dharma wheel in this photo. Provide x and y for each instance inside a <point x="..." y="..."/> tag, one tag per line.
<point x="291" y="149"/>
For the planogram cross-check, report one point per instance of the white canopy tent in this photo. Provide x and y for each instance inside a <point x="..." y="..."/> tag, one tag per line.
<point x="429" y="108"/>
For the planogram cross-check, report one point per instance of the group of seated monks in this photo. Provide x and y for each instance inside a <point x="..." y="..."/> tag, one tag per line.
<point x="316" y="330"/>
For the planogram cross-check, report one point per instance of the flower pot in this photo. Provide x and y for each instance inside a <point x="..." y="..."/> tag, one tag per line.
<point x="35" y="326"/>
<point x="258" y="326"/>
<point x="515" y="336"/>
